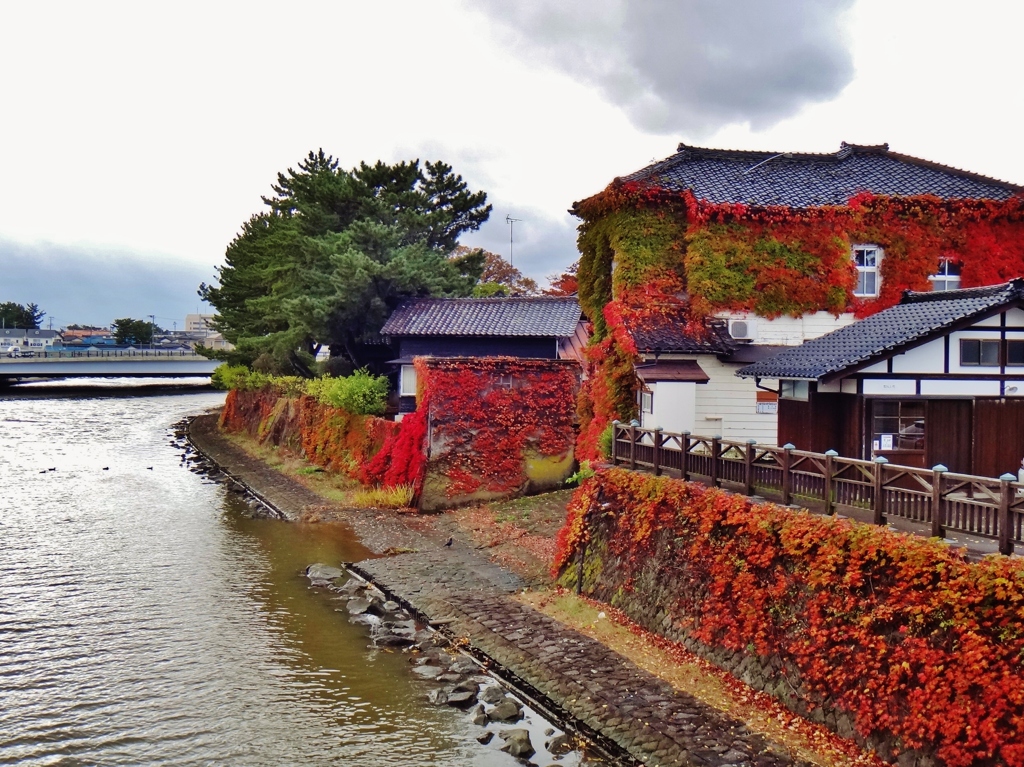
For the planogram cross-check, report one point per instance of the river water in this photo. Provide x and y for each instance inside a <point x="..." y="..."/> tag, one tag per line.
<point x="145" y="619"/>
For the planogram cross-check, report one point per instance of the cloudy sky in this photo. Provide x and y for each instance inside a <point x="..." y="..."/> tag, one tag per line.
<point x="136" y="137"/>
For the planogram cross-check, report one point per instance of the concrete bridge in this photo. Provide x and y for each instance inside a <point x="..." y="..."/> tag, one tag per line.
<point x="108" y="363"/>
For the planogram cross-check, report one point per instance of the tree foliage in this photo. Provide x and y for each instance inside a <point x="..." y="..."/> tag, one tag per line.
<point x="25" y="317"/>
<point x="499" y="277"/>
<point x="130" y="331"/>
<point x="337" y="251"/>
<point x="564" y="284"/>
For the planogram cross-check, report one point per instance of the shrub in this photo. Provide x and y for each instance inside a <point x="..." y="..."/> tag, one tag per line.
<point x="227" y="376"/>
<point x="360" y="393"/>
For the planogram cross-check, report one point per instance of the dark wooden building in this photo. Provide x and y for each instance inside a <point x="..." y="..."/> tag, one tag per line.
<point x="936" y="379"/>
<point x="529" y="327"/>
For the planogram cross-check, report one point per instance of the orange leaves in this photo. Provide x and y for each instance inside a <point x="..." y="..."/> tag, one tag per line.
<point x="901" y="633"/>
<point x="489" y="412"/>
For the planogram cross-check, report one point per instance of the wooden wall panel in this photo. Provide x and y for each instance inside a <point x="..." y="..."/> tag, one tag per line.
<point x="998" y="436"/>
<point x="795" y="418"/>
<point x="949" y="434"/>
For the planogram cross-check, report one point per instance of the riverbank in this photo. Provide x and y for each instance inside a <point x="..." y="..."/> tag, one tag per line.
<point x="462" y="589"/>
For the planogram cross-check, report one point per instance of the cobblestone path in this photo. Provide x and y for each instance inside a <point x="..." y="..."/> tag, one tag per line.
<point x="646" y="717"/>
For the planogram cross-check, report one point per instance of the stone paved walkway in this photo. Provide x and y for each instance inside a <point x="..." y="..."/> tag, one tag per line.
<point x="606" y="692"/>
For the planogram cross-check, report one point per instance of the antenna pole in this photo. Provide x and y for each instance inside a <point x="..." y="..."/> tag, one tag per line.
<point x="511" y="224"/>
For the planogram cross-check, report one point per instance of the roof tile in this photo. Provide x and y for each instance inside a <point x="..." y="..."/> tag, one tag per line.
<point x="802" y="180"/>
<point x="915" y="317"/>
<point x="544" y="316"/>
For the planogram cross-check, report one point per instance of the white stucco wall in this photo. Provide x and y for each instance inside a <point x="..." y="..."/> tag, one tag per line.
<point x="674" y="406"/>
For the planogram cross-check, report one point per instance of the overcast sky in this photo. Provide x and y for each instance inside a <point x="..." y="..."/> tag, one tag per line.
<point x="136" y="137"/>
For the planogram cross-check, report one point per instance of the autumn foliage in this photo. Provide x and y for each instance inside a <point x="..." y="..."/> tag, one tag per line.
<point x="676" y="254"/>
<point x="490" y="415"/>
<point x="328" y="437"/>
<point x="901" y="633"/>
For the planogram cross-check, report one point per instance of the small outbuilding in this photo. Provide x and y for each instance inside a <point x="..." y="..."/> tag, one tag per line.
<point x="936" y="379"/>
<point x="526" y="327"/>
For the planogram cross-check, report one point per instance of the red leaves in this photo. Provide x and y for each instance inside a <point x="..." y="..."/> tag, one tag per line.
<point x="490" y="413"/>
<point x="900" y="632"/>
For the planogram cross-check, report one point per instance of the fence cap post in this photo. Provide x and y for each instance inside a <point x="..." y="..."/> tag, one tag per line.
<point x="789" y="446"/>
<point x="939" y="468"/>
<point x="717" y="436"/>
<point x="686" y="434"/>
<point x="634" y="422"/>
<point x="881" y="459"/>
<point x="751" y="441"/>
<point x="616" y="422"/>
<point x="1008" y="477"/>
<point x="659" y="428"/>
<point x="832" y="453"/>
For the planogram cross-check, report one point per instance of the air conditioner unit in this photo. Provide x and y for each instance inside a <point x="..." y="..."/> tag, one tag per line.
<point x="743" y="330"/>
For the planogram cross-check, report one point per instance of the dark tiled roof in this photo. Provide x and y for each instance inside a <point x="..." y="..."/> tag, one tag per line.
<point x="806" y="180"/>
<point x="916" y="317"/>
<point x="668" y="334"/>
<point x="544" y="316"/>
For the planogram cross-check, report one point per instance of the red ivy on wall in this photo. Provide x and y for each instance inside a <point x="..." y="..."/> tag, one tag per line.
<point x="670" y="250"/>
<point x="900" y="632"/>
<point x="326" y="436"/>
<point x="488" y="414"/>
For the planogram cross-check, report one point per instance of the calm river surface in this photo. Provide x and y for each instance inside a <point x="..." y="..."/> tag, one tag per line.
<point x="145" y="620"/>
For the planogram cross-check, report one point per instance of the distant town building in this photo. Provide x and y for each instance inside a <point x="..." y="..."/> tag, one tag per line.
<point x="35" y="339"/>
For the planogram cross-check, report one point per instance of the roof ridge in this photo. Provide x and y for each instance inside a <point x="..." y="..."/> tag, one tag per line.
<point x="978" y="291"/>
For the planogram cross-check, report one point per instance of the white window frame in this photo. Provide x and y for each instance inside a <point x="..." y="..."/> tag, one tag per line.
<point x="647" y="402"/>
<point x="407" y="381"/>
<point x="867" y="270"/>
<point x="948" y="276"/>
<point x="798" y="390"/>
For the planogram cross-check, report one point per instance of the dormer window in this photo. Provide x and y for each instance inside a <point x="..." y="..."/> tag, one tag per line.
<point x="947" y="277"/>
<point x="867" y="259"/>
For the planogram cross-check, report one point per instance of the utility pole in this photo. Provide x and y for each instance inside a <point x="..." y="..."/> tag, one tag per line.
<point x="152" y="330"/>
<point x="511" y="224"/>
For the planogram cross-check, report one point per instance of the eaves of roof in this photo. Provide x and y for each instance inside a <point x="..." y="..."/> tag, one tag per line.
<point x="918" y="319"/>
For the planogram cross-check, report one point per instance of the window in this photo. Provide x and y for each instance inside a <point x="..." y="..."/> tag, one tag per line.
<point x="947" y="277"/>
<point x="1015" y="353"/>
<point x="867" y="259"/>
<point x="794" y="390"/>
<point x="407" y="386"/>
<point x="982" y="352"/>
<point x="647" y="401"/>
<point x="897" y="425"/>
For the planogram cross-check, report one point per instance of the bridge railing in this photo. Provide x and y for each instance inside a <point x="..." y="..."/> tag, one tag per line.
<point x="56" y="354"/>
<point x="930" y="501"/>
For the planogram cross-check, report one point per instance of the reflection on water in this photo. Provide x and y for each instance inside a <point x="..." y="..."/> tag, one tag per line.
<point x="145" y="620"/>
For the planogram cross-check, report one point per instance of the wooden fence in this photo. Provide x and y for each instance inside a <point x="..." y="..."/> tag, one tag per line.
<point x="926" y="501"/>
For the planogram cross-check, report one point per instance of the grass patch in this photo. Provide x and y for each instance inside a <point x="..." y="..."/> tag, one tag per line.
<point x="398" y="497"/>
<point x="333" y="487"/>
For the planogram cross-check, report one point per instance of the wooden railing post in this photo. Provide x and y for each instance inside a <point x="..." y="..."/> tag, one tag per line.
<point x="787" y="475"/>
<point x="632" y="444"/>
<point x="879" y="499"/>
<point x="937" y="515"/>
<point x="748" y="467"/>
<point x="830" y="470"/>
<point x="684" y="459"/>
<point x="615" y="439"/>
<point x="657" y="450"/>
<point x="1005" y="499"/>
<point x="715" y="449"/>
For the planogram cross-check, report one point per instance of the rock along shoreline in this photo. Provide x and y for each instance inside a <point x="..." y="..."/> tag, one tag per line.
<point x="626" y="712"/>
